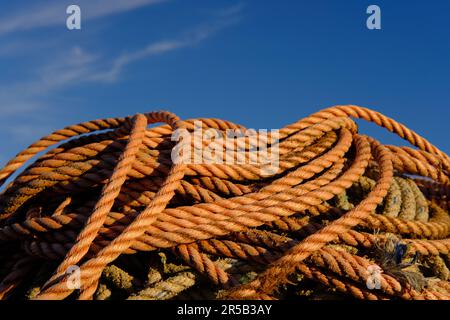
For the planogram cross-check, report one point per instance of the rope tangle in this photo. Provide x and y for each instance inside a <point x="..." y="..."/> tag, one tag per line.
<point x="339" y="207"/>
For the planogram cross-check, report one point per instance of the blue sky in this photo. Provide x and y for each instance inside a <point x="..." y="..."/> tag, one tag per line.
<point x="263" y="64"/>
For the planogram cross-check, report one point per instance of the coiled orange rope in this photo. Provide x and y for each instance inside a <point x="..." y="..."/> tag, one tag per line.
<point x="110" y="189"/>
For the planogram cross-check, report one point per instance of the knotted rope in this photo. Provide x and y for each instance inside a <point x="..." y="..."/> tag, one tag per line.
<point x="338" y="205"/>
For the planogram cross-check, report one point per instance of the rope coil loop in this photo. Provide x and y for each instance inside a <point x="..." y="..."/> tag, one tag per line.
<point x="340" y="211"/>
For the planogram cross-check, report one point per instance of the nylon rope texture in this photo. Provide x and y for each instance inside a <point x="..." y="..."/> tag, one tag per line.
<point x="342" y="214"/>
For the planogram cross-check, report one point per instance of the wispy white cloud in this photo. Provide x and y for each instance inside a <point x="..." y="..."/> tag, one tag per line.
<point x="77" y="66"/>
<point x="225" y="17"/>
<point x="233" y="10"/>
<point x="69" y="68"/>
<point x="188" y="39"/>
<point x="51" y="13"/>
<point x="72" y="67"/>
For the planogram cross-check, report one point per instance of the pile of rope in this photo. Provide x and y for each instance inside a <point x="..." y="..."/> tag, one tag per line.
<point x="342" y="216"/>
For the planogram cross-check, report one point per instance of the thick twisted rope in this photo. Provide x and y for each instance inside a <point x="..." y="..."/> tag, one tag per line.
<point x="107" y="197"/>
<point x="117" y="191"/>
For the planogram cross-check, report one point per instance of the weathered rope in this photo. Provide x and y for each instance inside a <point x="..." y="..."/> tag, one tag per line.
<point x="110" y="188"/>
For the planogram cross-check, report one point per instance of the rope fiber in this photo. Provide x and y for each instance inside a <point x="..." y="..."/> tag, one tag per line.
<point x="341" y="216"/>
